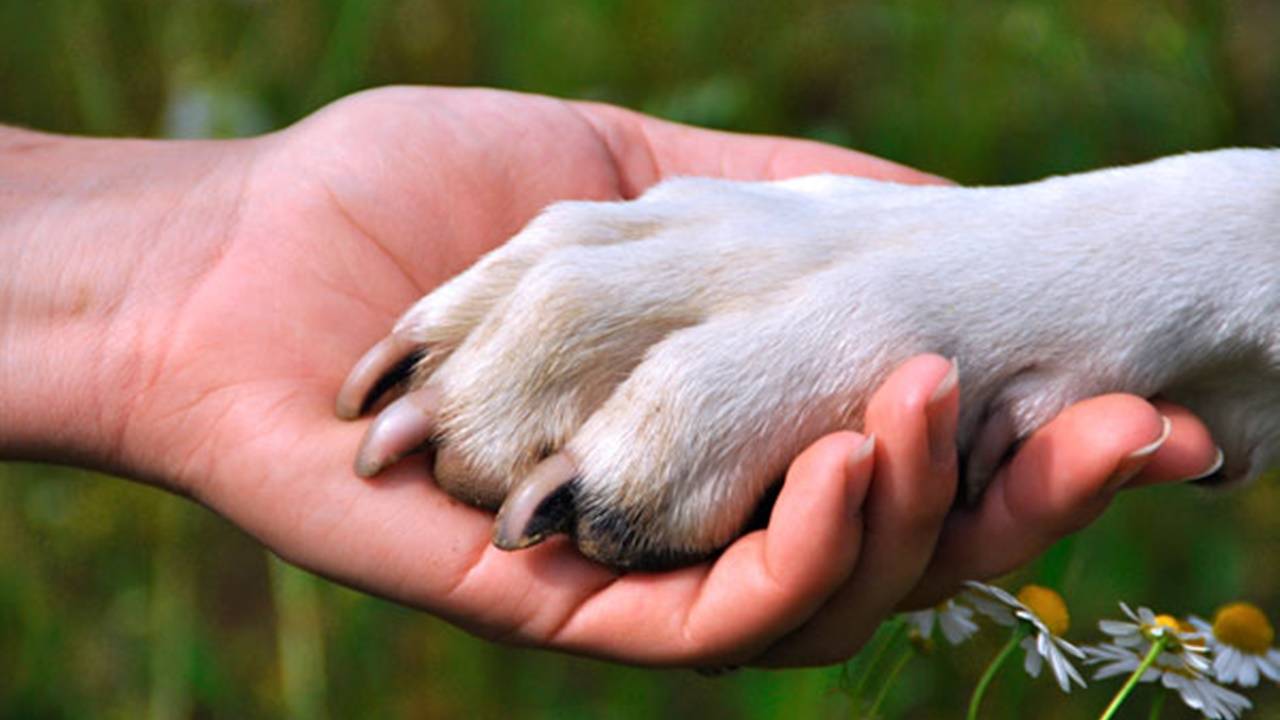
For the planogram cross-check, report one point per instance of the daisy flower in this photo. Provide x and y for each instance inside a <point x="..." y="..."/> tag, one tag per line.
<point x="1240" y="638"/>
<point x="1202" y="694"/>
<point x="1183" y="643"/>
<point x="1197" y="692"/>
<point x="1043" y="614"/>
<point x="955" y="621"/>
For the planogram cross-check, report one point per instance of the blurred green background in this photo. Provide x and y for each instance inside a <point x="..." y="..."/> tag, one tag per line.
<point x="119" y="601"/>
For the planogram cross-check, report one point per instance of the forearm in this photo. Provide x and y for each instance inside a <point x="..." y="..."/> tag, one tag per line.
<point x="96" y="236"/>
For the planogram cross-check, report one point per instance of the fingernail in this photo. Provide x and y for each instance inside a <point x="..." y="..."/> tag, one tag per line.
<point x="860" y="454"/>
<point x="1213" y="475"/>
<point x="947" y="385"/>
<point x="1132" y="464"/>
<point x="857" y="492"/>
<point x="940" y="416"/>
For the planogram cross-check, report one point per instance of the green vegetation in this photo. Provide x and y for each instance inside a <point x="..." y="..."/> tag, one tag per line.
<point x="119" y="601"/>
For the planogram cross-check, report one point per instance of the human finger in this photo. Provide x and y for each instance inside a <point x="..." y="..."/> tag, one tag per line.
<point x="1060" y="480"/>
<point x="647" y="150"/>
<point x="914" y="416"/>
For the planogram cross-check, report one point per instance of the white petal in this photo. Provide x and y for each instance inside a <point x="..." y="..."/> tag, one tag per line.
<point x="1116" y="661"/>
<point x="1060" y="669"/>
<point x="1114" y="658"/>
<point x="992" y="609"/>
<point x="1234" y="702"/>
<point x="956" y="609"/>
<point x="1196" y="661"/>
<point x="1033" y="620"/>
<point x="1247" y="671"/>
<point x="1175" y="662"/>
<point x="1129" y="612"/>
<point x="1270" y="666"/>
<point x="957" y="626"/>
<point x="1068" y="647"/>
<point x="922" y="621"/>
<point x="1032" y="662"/>
<point x="1003" y="596"/>
<point x="1063" y="670"/>
<point x="1116" y="668"/>
<point x="1145" y="616"/>
<point x="1117" y="628"/>
<point x="1214" y="700"/>
<point x="1103" y="651"/>
<point x="1073" y="674"/>
<point x="1224" y="664"/>
<point x="1189" y="693"/>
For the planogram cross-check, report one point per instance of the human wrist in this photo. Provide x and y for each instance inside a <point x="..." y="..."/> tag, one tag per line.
<point x="98" y="239"/>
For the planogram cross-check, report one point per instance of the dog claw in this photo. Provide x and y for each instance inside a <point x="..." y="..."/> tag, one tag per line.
<point x="404" y="426"/>
<point x="538" y="506"/>
<point x="384" y="365"/>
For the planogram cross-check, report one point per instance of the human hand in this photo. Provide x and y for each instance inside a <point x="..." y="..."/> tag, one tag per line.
<point x="215" y="335"/>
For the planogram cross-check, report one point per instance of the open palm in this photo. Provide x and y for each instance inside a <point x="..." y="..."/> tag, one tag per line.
<point x="350" y="216"/>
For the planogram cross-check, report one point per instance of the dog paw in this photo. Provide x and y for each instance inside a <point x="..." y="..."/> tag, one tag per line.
<point x="639" y="374"/>
<point x="630" y="373"/>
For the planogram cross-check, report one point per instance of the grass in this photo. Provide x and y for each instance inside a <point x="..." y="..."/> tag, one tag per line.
<point x="117" y="601"/>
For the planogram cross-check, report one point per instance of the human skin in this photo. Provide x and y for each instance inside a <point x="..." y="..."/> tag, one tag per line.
<point x="183" y="313"/>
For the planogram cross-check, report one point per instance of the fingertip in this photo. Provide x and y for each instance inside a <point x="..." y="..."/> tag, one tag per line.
<point x="1127" y="469"/>
<point x="910" y="387"/>
<point x="1064" y="467"/>
<point x="914" y="413"/>
<point x="1190" y="452"/>
<point x="858" y="463"/>
<point x="820" y="505"/>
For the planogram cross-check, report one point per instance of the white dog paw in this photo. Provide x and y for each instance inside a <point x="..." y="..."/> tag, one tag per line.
<point x="618" y="335"/>
<point x="638" y="374"/>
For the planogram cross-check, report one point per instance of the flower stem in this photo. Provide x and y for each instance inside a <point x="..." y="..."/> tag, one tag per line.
<point x="1157" y="647"/>
<point x="974" y="702"/>
<point x="1157" y="704"/>
<point x="889" y="681"/>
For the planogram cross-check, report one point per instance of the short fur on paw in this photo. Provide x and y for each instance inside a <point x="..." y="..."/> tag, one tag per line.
<point x="639" y="374"/>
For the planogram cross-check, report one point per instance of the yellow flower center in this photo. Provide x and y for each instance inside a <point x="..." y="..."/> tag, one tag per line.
<point x="1048" y="606"/>
<point x="1179" y="639"/>
<point x="1245" y="627"/>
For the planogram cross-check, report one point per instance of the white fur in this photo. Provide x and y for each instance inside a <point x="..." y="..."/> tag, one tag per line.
<point x="685" y="346"/>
